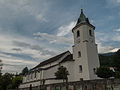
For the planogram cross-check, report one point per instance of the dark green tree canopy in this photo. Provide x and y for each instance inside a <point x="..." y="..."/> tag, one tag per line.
<point x="116" y="60"/>
<point x="10" y="81"/>
<point x="16" y="81"/>
<point x="104" y="72"/>
<point x="6" y="79"/>
<point x="24" y="71"/>
<point x="62" y="73"/>
<point x="1" y="67"/>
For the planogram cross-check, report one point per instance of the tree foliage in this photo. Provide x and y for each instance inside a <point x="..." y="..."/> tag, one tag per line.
<point x="24" y="71"/>
<point x="1" y="66"/>
<point x="106" y="60"/>
<point x="111" y="60"/>
<point x="16" y="81"/>
<point x="6" y="79"/>
<point x="116" y="61"/>
<point x="62" y="73"/>
<point x="9" y="81"/>
<point x="104" y="72"/>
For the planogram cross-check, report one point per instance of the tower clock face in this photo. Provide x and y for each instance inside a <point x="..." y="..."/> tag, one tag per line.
<point x="91" y="40"/>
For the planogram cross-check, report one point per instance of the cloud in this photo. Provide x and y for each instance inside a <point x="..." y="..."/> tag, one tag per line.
<point x="118" y="1"/>
<point x="102" y="37"/>
<point x="53" y="38"/>
<point x="41" y="18"/>
<point x="112" y="3"/>
<point x="116" y="38"/>
<point x="19" y="55"/>
<point x="64" y="30"/>
<point x="17" y="49"/>
<point x="118" y="30"/>
<point x="63" y="35"/>
<point x="12" y="66"/>
<point x="105" y="42"/>
<point x="51" y="22"/>
<point x="104" y="49"/>
<point x="22" y="16"/>
<point x="21" y="50"/>
<point x="41" y="50"/>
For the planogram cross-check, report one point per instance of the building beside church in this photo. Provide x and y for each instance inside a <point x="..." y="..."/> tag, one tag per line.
<point x="81" y="64"/>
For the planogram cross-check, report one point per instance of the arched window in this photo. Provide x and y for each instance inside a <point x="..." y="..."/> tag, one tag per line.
<point x="78" y="33"/>
<point x="90" y="32"/>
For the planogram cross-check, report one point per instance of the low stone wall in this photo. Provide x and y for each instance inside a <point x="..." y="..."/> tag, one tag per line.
<point x="102" y="84"/>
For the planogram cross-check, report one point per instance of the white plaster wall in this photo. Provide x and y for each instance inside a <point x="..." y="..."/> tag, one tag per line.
<point x="93" y="61"/>
<point x="28" y="84"/>
<point x="83" y="60"/>
<point x="53" y="81"/>
<point x="50" y="64"/>
<point x="49" y="73"/>
<point x="70" y="67"/>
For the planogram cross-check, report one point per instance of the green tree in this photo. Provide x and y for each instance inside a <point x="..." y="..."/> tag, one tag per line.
<point x="106" y="60"/>
<point x="104" y="72"/>
<point x="116" y="61"/>
<point x="117" y="74"/>
<point x="6" y="80"/>
<point x="1" y="67"/>
<point x="0" y="82"/>
<point x="16" y="82"/>
<point x="24" y="71"/>
<point x="62" y="73"/>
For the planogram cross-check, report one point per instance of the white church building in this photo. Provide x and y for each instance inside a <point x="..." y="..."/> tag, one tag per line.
<point x="81" y="64"/>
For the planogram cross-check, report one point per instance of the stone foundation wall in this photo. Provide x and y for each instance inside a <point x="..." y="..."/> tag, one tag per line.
<point x="102" y="84"/>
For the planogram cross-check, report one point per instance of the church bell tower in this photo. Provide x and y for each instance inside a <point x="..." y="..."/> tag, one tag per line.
<point x="85" y="51"/>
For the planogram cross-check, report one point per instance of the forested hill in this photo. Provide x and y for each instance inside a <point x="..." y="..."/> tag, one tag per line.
<point x="108" y="59"/>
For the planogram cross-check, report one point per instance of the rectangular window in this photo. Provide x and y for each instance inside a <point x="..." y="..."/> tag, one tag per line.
<point x="31" y="75"/>
<point x="28" y="76"/>
<point x="79" y="54"/>
<point x="80" y="68"/>
<point x="35" y="74"/>
<point x="81" y="79"/>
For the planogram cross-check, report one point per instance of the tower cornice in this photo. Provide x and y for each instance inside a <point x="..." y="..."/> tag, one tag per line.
<point x="78" y="25"/>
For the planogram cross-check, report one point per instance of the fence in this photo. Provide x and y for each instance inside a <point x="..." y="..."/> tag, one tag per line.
<point x="102" y="84"/>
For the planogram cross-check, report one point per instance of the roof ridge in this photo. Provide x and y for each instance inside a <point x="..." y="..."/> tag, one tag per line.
<point x="56" y="55"/>
<point x="52" y="59"/>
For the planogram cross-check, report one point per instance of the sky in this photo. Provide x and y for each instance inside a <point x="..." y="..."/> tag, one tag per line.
<point x="32" y="31"/>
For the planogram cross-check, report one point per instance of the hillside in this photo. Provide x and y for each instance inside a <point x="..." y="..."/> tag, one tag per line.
<point x="107" y="59"/>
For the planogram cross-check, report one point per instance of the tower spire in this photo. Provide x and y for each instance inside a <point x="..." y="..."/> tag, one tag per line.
<point x="81" y="10"/>
<point x="83" y="19"/>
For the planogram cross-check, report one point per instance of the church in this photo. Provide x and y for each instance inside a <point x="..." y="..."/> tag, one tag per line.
<point x="81" y="64"/>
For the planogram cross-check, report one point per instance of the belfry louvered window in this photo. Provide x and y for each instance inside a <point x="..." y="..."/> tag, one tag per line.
<point x="90" y="32"/>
